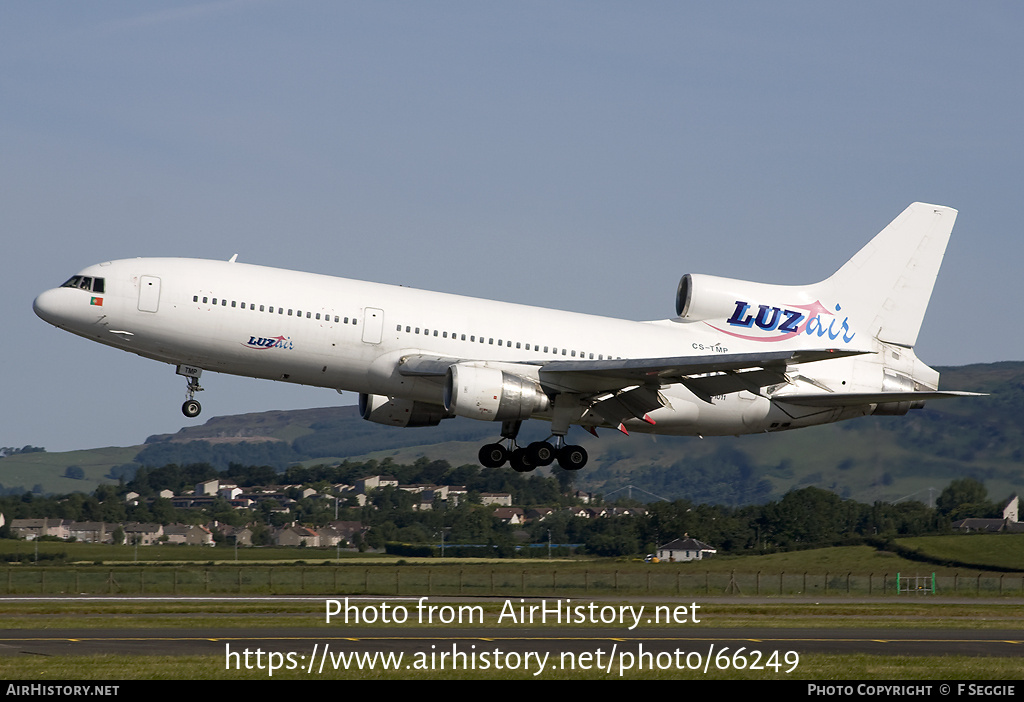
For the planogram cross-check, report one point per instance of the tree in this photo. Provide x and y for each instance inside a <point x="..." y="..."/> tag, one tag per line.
<point x="965" y="497"/>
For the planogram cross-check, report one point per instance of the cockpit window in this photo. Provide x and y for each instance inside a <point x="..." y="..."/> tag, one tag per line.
<point x="84" y="282"/>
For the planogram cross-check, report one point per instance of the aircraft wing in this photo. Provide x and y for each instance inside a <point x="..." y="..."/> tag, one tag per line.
<point x="705" y="376"/>
<point x="850" y="399"/>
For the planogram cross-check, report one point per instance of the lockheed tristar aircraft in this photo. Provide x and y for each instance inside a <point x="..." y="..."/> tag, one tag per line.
<point x="738" y="357"/>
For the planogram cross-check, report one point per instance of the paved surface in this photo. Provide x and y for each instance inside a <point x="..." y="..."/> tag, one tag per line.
<point x="211" y="641"/>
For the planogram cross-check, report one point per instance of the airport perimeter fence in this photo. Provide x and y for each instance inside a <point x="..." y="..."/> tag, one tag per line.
<point x="482" y="581"/>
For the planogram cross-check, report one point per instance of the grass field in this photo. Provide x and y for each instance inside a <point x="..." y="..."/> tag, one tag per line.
<point x="78" y="568"/>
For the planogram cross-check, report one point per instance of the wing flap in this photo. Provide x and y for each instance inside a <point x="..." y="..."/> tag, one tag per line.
<point x="629" y="404"/>
<point x="708" y="386"/>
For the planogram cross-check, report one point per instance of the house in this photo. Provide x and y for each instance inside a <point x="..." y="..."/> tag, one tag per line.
<point x="208" y="487"/>
<point x="229" y="492"/>
<point x="455" y="494"/>
<point x="1009" y="522"/>
<point x="233" y="536"/>
<point x="142" y="534"/>
<point x="348" y="530"/>
<point x="502" y="499"/>
<point x="32" y="529"/>
<point x="509" y="515"/>
<point x="296" y="536"/>
<point x="373" y="482"/>
<point x="190" y="534"/>
<point x="92" y="532"/>
<point x="685" y="549"/>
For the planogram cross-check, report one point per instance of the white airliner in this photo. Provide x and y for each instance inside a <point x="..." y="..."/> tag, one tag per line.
<point x="739" y="357"/>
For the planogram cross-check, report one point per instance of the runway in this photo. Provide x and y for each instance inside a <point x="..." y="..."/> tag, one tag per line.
<point x="301" y="641"/>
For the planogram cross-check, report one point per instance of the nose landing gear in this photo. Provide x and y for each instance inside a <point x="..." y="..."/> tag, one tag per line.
<point x="191" y="407"/>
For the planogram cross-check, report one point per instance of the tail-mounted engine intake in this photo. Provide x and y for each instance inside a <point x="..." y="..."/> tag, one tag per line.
<point x="706" y="297"/>
<point x="398" y="412"/>
<point x="491" y="394"/>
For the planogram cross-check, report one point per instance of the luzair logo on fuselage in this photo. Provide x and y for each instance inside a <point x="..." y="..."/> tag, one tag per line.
<point x="771" y="323"/>
<point x="269" y="342"/>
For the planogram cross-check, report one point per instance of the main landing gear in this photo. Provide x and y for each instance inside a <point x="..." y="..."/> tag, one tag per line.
<point x="191" y="407"/>
<point x="537" y="454"/>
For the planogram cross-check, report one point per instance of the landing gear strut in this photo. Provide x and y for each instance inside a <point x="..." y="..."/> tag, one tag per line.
<point x="191" y="407"/>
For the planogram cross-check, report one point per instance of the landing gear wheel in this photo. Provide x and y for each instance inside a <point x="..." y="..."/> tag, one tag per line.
<point x="520" y="461"/>
<point x="572" y="457"/>
<point x="541" y="453"/>
<point x="493" y="456"/>
<point x="191" y="408"/>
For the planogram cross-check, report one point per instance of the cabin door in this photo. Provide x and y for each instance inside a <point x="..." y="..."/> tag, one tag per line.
<point x="373" y="325"/>
<point x="149" y="293"/>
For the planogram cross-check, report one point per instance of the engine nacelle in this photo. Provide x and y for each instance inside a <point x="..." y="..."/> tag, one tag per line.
<point x="897" y="409"/>
<point x="491" y="394"/>
<point x="708" y="297"/>
<point x="400" y="413"/>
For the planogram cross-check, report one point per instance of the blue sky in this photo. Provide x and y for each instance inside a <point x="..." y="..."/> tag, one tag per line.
<point x="580" y="155"/>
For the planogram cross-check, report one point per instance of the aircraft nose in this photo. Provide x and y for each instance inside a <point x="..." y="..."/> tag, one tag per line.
<point x="49" y="306"/>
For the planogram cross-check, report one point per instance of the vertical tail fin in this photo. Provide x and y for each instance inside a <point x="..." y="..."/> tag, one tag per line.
<point x="890" y="280"/>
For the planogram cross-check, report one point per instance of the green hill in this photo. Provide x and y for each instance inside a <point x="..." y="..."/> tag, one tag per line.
<point x="875" y="458"/>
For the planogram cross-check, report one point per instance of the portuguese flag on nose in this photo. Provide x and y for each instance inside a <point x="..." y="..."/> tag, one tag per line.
<point x="98" y="301"/>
